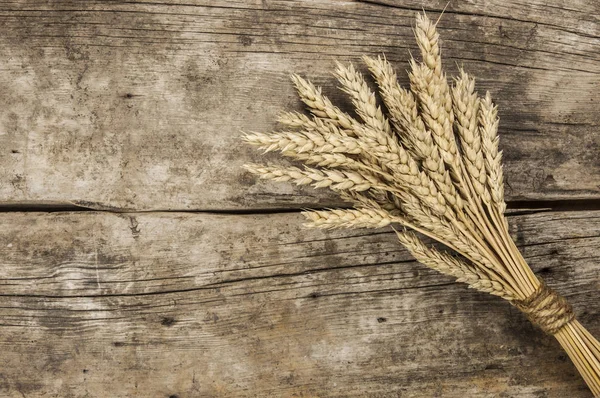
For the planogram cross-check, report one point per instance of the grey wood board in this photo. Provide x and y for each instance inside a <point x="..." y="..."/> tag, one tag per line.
<point x="202" y="305"/>
<point x="139" y="105"/>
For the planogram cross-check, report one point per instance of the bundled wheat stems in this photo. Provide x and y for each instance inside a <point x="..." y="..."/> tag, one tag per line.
<point x="429" y="165"/>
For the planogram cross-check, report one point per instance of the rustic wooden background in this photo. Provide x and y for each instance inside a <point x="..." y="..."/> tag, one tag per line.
<point x="138" y="260"/>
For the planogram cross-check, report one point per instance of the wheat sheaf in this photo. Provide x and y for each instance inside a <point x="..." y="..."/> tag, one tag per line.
<point x="430" y="166"/>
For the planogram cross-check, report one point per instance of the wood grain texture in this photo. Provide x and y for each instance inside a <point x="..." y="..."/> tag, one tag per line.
<point x="139" y="105"/>
<point x="96" y="304"/>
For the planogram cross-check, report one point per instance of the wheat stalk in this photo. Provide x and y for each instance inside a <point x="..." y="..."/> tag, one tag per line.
<point x="430" y="164"/>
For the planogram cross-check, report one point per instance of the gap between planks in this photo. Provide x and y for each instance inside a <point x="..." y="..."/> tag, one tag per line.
<point x="516" y="207"/>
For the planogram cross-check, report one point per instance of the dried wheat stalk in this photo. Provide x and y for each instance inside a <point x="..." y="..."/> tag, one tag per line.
<point x="430" y="164"/>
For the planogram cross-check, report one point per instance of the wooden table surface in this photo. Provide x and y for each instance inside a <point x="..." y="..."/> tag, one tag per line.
<point x="137" y="259"/>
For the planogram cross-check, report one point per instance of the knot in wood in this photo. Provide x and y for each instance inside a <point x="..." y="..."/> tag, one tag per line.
<point x="546" y="309"/>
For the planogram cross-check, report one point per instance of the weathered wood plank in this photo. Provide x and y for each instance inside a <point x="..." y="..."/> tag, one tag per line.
<point x="186" y="305"/>
<point x="139" y="105"/>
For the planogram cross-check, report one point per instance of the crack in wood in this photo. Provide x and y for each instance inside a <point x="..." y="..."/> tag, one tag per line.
<point x="516" y="207"/>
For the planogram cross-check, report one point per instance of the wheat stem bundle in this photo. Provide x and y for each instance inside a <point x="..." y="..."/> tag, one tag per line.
<point x="430" y="165"/>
